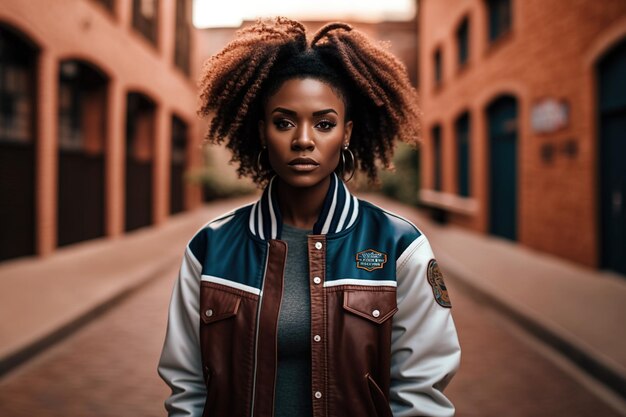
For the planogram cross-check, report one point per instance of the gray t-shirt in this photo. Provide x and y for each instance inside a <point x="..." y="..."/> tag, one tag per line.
<point x="293" y="380"/>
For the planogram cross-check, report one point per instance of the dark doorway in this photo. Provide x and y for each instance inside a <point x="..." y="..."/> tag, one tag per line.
<point x="179" y="164"/>
<point x="437" y="156"/>
<point x="18" y="69"/>
<point x="140" y="121"/>
<point x="82" y="136"/>
<point x="502" y="122"/>
<point x="462" y="129"/>
<point x="612" y="116"/>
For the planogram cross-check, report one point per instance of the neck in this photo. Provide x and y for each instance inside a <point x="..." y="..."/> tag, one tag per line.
<point x="301" y="207"/>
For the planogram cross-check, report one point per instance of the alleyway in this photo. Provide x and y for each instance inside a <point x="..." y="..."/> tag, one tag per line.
<point x="109" y="367"/>
<point x="105" y="174"/>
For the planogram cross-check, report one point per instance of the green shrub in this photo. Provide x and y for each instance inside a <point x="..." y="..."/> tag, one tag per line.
<point x="216" y="184"/>
<point x="401" y="184"/>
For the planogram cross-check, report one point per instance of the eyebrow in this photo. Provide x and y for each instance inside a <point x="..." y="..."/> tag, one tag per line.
<point x="293" y="113"/>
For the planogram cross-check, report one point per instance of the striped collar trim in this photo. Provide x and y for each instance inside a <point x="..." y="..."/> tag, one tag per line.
<point x="339" y="212"/>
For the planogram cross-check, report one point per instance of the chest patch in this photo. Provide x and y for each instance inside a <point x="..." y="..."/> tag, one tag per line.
<point x="370" y="260"/>
<point x="435" y="279"/>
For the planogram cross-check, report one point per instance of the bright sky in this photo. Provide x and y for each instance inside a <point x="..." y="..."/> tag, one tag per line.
<point x="229" y="13"/>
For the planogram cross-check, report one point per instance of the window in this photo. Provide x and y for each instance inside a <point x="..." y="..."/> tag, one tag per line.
<point x="438" y="67"/>
<point x="462" y="41"/>
<point x="179" y="141"/>
<point x="69" y="107"/>
<point x="82" y="107"/>
<point x="499" y="18"/>
<point x="462" y="131"/>
<point x="145" y="18"/>
<point x="437" y="157"/>
<point x="183" y="35"/>
<point x="17" y="97"/>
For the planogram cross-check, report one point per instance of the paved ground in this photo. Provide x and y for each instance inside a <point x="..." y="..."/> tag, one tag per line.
<point x="109" y="368"/>
<point x="506" y="372"/>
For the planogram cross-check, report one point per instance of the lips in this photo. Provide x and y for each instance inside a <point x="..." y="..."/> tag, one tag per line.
<point x="303" y="161"/>
<point x="303" y="165"/>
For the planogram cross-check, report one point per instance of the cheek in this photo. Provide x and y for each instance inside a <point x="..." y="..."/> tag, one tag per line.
<point x="332" y="151"/>
<point x="275" y="140"/>
<point x="277" y="150"/>
<point x="337" y="142"/>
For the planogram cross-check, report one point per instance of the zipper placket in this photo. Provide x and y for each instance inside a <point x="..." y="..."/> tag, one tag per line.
<point x="280" y="305"/>
<point x="256" y="333"/>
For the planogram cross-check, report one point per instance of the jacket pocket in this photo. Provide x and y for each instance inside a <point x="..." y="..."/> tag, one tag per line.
<point x="379" y="400"/>
<point x="226" y="345"/>
<point x="376" y="306"/>
<point x="216" y="305"/>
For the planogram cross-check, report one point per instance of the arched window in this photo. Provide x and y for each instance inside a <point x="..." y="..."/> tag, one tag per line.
<point x="18" y="81"/>
<point x="438" y="67"/>
<point x="462" y="41"/>
<point x="500" y="18"/>
<point x="183" y="35"/>
<point x="82" y="135"/>
<point x="146" y="18"/>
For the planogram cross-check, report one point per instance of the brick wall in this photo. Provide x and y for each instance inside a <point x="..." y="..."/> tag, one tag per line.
<point x="105" y="39"/>
<point x="549" y="52"/>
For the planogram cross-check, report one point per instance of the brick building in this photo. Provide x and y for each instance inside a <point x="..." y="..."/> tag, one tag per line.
<point x="97" y="119"/>
<point x="525" y="122"/>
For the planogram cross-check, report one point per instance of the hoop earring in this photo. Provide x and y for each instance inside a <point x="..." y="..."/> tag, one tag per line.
<point x="258" y="160"/>
<point x="343" y="163"/>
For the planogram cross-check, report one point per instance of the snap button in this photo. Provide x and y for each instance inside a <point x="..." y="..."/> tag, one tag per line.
<point x="318" y="394"/>
<point x="208" y="312"/>
<point x="375" y="313"/>
<point x="317" y="338"/>
<point x="317" y="280"/>
<point x="318" y="245"/>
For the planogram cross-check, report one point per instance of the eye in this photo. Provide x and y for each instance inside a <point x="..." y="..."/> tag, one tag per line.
<point x="282" y="124"/>
<point x="326" y="124"/>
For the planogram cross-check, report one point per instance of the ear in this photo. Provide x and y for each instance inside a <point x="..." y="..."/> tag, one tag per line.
<point x="347" y="133"/>
<point x="262" y="132"/>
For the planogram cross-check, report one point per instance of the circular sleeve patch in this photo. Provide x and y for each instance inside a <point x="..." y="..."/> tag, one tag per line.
<point x="435" y="279"/>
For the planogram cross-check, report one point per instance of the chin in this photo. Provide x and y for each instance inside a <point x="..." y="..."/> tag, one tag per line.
<point x="302" y="180"/>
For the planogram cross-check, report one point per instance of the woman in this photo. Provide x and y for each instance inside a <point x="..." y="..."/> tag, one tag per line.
<point x="309" y="302"/>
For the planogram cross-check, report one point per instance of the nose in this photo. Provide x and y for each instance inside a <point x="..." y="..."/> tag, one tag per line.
<point x="303" y="139"/>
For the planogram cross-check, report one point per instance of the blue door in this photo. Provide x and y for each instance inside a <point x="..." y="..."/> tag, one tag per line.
<point x="612" y="117"/>
<point x="502" y="121"/>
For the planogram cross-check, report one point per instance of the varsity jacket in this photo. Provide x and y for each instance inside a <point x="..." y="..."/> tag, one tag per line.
<point x="383" y="341"/>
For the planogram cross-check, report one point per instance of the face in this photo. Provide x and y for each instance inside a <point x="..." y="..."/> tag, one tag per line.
<point x="304" y="129"/>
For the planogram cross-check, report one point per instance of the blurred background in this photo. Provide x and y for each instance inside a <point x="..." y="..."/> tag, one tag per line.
<point x="519" y="183"/>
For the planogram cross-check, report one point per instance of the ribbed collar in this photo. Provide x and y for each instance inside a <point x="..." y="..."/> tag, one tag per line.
<point x="339" y="211"/>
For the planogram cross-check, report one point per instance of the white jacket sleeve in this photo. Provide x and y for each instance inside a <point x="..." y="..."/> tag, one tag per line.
<point x="425" y="351"/>
<point x="180" y="365"/>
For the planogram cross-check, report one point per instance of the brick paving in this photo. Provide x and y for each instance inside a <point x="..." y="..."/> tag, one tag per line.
<point x="503" y="375"/>
<point x="109" y="368"/>
<point x="106" y="369"/>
